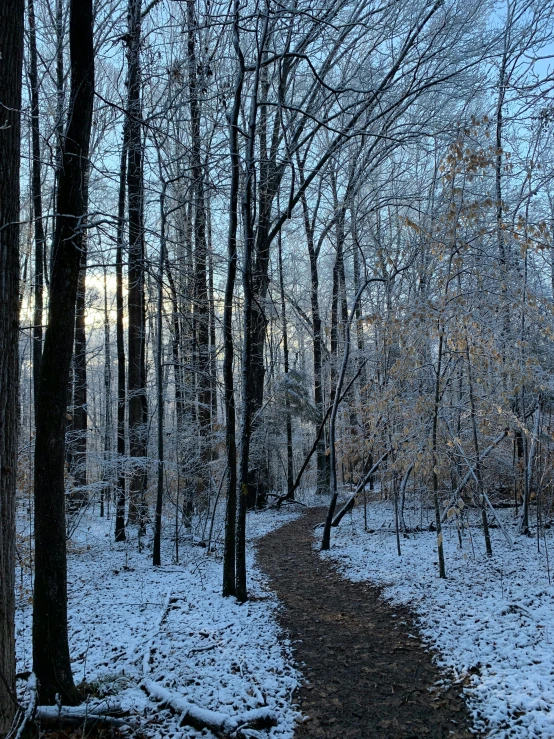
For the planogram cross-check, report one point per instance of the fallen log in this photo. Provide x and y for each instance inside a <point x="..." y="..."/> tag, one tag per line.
<point x="93" y="713"/>
<point x="63" y="717"/>
<point x="202" y="718"/>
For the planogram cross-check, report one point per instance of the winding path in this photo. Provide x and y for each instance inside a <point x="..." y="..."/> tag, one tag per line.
<point x="367" y="672"/>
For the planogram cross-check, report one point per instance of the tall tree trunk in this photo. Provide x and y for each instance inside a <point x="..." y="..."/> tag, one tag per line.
<point x="120" y="341"/>
<point x="269" y="179"/>
<point x="503" y="247"/>
<point x="229" y="571"/>
<point x="175" y="348"/>
<point x="326" y="539"/>
<point x="178" y="386"/>
<point x="478" y="473"/>
<point x="201" y="305"/>
<point x="338" y="298"/>
<point x="79" y="422"/>
<point x="135" y="296"/>
<point x="156" y="555"/>
<point x="213" y="344"/>
<point x="434" y="448"/>
<point x="528" y="458"/>
<point x="290" y="470"/>
<point x="60" y="30"/>
<point x="107" y="471"/>
<point x="334" y="333"/>
<point x="37" y="199"/>
<point x="11" y="54"/>
<point x="60" y="93"/>
<point x="248" y="391"/>
<point x="499" y="128"/>
<point x="358" y="442"/>
<point x="51" y="662"/>
<point x="323" y="472"/>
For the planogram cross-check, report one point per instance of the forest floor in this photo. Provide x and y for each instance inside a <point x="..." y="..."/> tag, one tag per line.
<point x="367" y="672"/>
<point x="354" y="642"/>
<point x="140" y="635"/>
<point x="490" y="623"/>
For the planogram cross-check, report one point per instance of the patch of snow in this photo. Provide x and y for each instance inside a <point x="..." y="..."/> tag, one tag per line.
<point x="491" y="622"/>
<point x="130" y="622"/>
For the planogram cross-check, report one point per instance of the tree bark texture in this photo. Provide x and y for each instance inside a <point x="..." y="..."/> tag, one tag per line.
<point x="323" y="473"/>
<point x="135" y="298"/>
<point x="229" y="587"/>
<point x="120" y="342"/>
<point x="108" y="430"/>
<point x="79" y="420"/>
<point x="37" y="199"/>
<point x="250" y="329"/>
<point x="201" y="304"/>
<point x="51" y="662"/>
<point x="290" y="460"/>
<point x="156" y="554"/>
<point x="11" y="54"/>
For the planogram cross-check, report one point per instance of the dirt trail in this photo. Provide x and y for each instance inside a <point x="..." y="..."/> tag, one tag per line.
<point x="367" y="676"/>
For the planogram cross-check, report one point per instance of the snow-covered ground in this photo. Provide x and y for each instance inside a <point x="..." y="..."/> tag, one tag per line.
<point x="130" y="622"/>
<point x="491" y="622"/>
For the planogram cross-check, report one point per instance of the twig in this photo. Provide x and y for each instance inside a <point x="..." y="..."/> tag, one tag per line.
<point x="468" y="476"/>
<point x="289" y="495"/>
<point x="361" y="486"/>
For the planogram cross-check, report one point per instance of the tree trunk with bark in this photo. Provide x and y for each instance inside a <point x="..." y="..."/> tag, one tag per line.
<point x="213" y="339"/>
<point x="120" y="342"/>
<point x="37" y="198"/>
<point x="156" y="553"/>
<point x="135" y="297"/>
<point x="290" y="470"/>
<point x="201" y="304"/>
<point x="229" y="571"/>
<point x="323" y="472"/>
<point x="326" y="540"/>
<point x="107" y="466"/>
<point x="250" y="330"/>
<point x="11" y="54"/>
<point x="434" y="449"/>
<point x="79" y="421"/>
<point x="51" y="662"/>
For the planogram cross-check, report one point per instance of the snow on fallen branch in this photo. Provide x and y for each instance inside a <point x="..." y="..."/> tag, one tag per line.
<point x="215" y="721"/>
<point x="75" y="716"/>
<point x="95" y="713"/>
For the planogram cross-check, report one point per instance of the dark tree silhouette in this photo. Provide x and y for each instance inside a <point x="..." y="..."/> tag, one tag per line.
<point x="11" y="56"/>
<point x="37" y="197"/>
<point x="121" y="392"/>
<point x="138" y="413"/>
<point x="51" y="662"/>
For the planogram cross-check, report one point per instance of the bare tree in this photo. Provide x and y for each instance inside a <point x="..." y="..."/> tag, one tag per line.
<point x="51" y="661"/>
<point x="229" y="566"/>
<point x="136" y="379"/>
<point x="37" y="197"/>
<point x="11" y="53"/>
<point x="121" y="390"/>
